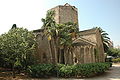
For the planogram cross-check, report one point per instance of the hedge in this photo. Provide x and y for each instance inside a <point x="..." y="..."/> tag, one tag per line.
<point x="41" y="70"/>
<point x="117" y="60"/>
<point x="61" y="70"/>
<point x="83" y="70"/>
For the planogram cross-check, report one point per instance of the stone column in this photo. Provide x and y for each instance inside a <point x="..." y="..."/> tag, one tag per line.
<point x="93" y="54"/>
<point x="87" y="54"/>
<point x="78" y="57"/>
<point x="82" y="54"/>
<point x="91" y="50"/>
<point x="90" y="55"/>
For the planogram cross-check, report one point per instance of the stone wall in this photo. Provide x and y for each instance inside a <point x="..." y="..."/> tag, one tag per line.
<point x="45" y="50"/>
<point x="83" y="51"/>
<point x="100" y="47"/>
<point x="66" y="13"/>
<point x="57" y="13"/>
<point x="43" y="55"/>
<point x="94" y="35"/>
<point x="83" y="54"/>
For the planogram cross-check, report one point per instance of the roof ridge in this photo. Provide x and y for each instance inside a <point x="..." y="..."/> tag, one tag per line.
<point x="83" y="39"/>
<point x="89" y="29"/>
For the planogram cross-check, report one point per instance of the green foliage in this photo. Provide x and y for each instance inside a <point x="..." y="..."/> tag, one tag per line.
<point x="117" y="60"/>
<point x="16" y="48"/>
<point x="105" y="39"/>
<point x="66" y="32"/>
<point x="41" y="70"/>
<point x="113" y="52"/>
<point x="61" y="34"/>
<point x="66" y="71"/>
<point x="49" y="20"/>
<point x="83" y="70"/>
<point x="61" y="70"/>
<point x="62" y="31"/>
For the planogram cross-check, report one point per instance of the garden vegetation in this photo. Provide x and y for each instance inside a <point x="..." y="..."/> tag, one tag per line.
<point x="61" y="70"/>
<point x="16" y="49"/>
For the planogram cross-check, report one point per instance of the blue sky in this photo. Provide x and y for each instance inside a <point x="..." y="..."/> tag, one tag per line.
<point x="92" y="13"/>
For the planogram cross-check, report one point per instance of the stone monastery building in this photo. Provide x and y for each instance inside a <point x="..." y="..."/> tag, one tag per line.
<point x="88" y="47"/>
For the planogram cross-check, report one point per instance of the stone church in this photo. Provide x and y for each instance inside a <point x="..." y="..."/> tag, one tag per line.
<point x="88" y="47"/>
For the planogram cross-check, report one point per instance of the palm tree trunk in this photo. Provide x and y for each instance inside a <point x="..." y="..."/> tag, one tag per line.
<point x="66" y="55"/>
<point x="55" y="51"/>
<point x="50" y="50"/>
<point x="59" y="55"/>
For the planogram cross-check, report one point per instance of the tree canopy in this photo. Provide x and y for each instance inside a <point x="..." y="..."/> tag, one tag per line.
<point x="16" y="48"/>
<point x="115" y="52"/>
<point x="60" y="34"/>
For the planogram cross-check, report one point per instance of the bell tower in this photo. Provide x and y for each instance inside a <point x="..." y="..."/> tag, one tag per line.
<point x="65" y="13"/>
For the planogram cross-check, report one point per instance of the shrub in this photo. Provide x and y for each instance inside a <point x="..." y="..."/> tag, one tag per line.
<point x="41" y="70"/>
<point x="66" y="71"/>
<point x="116" y="60"/>
<point x="61" y="70"/>
<point x="83" y="70"/>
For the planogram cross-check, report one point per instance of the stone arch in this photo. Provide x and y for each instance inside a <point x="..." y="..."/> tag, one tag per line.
<point x="76" y="60"/>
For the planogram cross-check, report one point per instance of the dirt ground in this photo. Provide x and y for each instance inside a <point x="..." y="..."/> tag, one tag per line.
<point x="112" y="74"/>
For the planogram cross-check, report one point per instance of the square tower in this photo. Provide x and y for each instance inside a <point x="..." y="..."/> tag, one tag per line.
<point x="65" y="13"/>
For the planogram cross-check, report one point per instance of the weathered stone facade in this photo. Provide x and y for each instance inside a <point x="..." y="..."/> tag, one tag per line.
<point x="94" y="35"/>
<point x="45" y="49"/>
<point x="66" y="13"/>
<point x="88" y="47"/>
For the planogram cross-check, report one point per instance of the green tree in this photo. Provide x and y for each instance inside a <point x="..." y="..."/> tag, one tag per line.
<point x="67" y="33"/>
<point x="50" y="31"/>
<point x="17" y="48"/>
<point x="60" y="34"/>
<point x="115" y="52"/>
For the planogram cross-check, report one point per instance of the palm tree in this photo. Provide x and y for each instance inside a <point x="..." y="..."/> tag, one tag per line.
<point x="105" y="39"/>
<point x="50" y="31"/>
<point x="67" y="33"/>
<point x="60" y="34"/>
